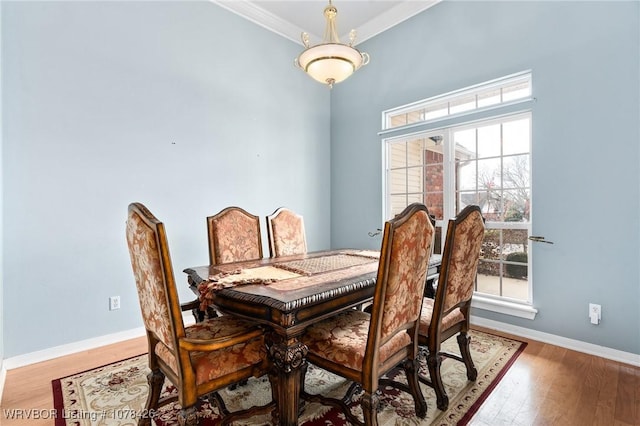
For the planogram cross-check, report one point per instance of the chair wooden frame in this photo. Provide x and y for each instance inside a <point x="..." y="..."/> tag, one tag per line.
<point x="276" y="248"/>
<point x="147" y="243"/>
<point x="216" y="243"/>
<point x="369" y="377"/>
<point x="442" y="305"/>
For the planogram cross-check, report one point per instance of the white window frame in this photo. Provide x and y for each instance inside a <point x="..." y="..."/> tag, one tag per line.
<point x="524" y="77"/>
<point x="498" y="113"/>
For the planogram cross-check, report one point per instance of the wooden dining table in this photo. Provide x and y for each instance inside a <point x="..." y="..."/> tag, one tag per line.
<point x="286" y="295"/>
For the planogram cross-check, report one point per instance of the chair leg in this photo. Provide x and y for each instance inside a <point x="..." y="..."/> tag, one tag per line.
<point x="463" y="344"/>
<point x="203" y="315"/>
<point x="433" y="362"/>
<point x="411" y="371"/>
<point x="155" y="380"/>
<point x="369" y="403"/>
<point x="216" y="400"/>
<point x="188" y="416"/>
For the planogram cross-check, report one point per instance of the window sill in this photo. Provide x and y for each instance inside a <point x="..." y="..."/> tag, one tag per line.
<point x="504" y="307"/>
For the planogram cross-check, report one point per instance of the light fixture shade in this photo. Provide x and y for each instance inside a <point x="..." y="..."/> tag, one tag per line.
<point x="331" y="63"/>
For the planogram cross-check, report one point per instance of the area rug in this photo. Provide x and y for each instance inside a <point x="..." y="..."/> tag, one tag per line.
<point x="115" y="394"/>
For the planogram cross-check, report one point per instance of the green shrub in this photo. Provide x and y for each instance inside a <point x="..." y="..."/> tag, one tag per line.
<point x="517" y="271"/>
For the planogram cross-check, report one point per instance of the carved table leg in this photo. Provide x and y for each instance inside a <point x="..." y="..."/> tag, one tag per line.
<point x="288" y="358"/>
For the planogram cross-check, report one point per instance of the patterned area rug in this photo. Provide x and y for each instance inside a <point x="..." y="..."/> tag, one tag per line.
<point x="115" y="394"/>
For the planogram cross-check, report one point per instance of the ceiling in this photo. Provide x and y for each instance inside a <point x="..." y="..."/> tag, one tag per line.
<point x="289" y="18"/>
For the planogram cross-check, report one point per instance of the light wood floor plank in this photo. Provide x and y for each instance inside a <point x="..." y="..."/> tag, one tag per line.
<point x="29" y="388"/>
<point x="547" y="385"/>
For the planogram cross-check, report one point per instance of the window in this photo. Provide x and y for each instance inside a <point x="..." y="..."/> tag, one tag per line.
<point x="471" y="161"/>
<point x="500" y="92"/>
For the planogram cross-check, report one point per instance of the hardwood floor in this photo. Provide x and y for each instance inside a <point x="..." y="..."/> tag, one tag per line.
<point x="29" y="387"/>
<point x="547" y="385"/>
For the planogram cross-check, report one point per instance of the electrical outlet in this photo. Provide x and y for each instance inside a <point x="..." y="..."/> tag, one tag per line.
<point x="595" y="313"/>
<point x="114" y="303"/>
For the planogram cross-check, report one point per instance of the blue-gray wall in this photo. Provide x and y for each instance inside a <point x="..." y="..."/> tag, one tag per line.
<point x="183" y="106"/>
<point x="169" y="104"/>
<point x="585" y="62"/>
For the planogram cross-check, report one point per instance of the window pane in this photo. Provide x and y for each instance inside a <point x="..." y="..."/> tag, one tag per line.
<point x="486" y="282"/>
<point x="436" y="111"/>
<point x="516" y="205"/>
<point x="489" y="176"/>
<point x="462" y="104"/>
<point x="414" y="117"/>
<point x="397" y="155"/>
<point x="466" y="100"/>
<point x="516" y="172"/>
<point x="515" y="135"/>
<point x="516" y="91"/>
<point x="415" y="180"/>
<point x="465" y="141"/>
<point x="398" y="181"/>
<point x="434" y="182"/>
<point x="435" y="205"/>
<point x="464" y="199"/>
<point x="515" y="263"/>
<point x="489" y="270"/>
<point x="489" y="97"/>
<point x="397" y="203"/>
<point x="415" y="198"/>
<point x="397" y="120"/>
<point x="435" y="167"/>
<point x="415" y="152"/>
<point x="514" y="241"/>
<point x="489" y="141"/>
<point x="434" y="177"/>
<point x="466" y="175"/>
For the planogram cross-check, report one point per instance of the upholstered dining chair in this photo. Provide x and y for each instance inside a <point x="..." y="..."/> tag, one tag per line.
<point x="447" y="314"/>
<point x="234" y="236"/>
<point x="198" y="359"/>
<point x="286" y="233"/>
<point x="363" y="347"/>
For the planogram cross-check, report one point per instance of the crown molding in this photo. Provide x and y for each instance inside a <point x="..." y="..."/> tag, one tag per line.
<point x="254" y="13"/>
<point x="259" y="16"/>
<point x="392" y="17"/>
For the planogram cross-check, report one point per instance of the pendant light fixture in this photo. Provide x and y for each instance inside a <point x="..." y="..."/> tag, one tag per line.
<point x="331" y="62"/>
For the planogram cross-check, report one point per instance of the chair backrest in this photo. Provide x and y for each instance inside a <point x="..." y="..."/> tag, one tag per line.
<point x="286" y="233"/>
<point x="234" y="236"/>
<point x="407" y="245"/>
<point x="460" y="259"/>
<point x="153" y="272"/>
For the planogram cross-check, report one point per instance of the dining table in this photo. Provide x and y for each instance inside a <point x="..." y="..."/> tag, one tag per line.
<point x="286" y="295"/>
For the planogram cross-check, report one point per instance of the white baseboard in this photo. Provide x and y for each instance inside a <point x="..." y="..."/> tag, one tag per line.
<point x="71" y="348"/>
<point x="62" y="350"/>
<point x="3" y="376"/>
<point x="576" y="345"/>
<point x="83" y="345"/>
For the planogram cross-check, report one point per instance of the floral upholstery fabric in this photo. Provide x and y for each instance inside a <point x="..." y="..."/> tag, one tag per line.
<point x="236" y="237"/>
<point x="407" y="272"/>
<point x="211" y="365"/>
<point x="288" y="235"/>
<point x="448" y="321"/>
<point x="149" y="277"/>
<point x="343" y="339"/>
<point x="463" y="264"/>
